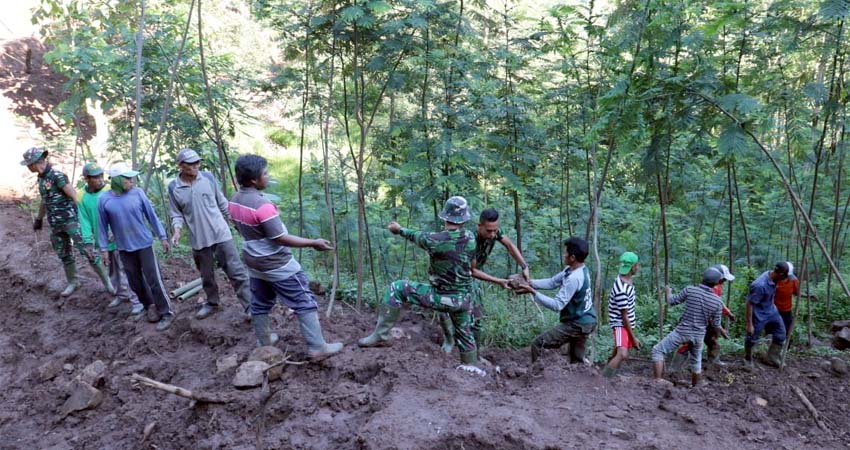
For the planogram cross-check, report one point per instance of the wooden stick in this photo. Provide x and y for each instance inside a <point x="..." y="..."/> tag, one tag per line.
<point x="177" y="390"/>
<point x="285" y="361"/>
<point x="810" y="407"/>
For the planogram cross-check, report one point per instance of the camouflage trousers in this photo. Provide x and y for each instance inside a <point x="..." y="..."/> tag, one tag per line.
<point x="67" y="235"/>
<point x="476" y="311"/>
<point x="456" y="305"/>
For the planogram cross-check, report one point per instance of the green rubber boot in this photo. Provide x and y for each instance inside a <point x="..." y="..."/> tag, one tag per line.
<point x="470" y="357"/>
<point x="71" y="276"/>
<point x="381" y="336"/>
<point x="774" y="355"/>
<point x="448" y="332"/>
<point x="262" y="329"/>
<point x="317" y="348"/>
<point x="103" y="273"/>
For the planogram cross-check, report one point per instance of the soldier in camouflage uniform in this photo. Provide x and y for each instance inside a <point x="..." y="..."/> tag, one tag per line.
<point x="487" y="234"/>
<point x="452" y="252"/>
<point x="59" y="202"/>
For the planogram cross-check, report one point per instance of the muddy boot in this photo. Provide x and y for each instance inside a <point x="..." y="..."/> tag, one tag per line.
<point x="448" y="332"/>
<point x="714" y="357"/>
<point x="317" y="348"/>
<point x="748" y="358"/>
<point x="381" y="336"/>
<point x="71" y="276"/>
<point x="774" y="355"/>
<point x="470" y="357"/>
<point x="609" y="372"/>
<point x="103" y="274"/>
<point x="696" y="380"/>
<point x="262" y="329"/>
<point x="577" y="349"/>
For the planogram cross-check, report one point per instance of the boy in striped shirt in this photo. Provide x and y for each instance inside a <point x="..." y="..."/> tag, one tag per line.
<point x="621" y="313"/>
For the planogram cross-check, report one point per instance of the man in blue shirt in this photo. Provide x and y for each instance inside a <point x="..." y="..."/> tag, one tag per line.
<point x="762" y="315"/>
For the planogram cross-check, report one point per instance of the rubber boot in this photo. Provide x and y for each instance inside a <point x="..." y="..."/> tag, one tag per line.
<point x="103" y="273"/>
<point x="71" y="276"/>
<point x="609" y="372"/>
<point x="577" y="349"/>
<point x="748" y="358"/>
<point x="317" y="348"/>
<point x="262" y="329"/>
<point x="448" y="333"/>
<point x="774" y="355"/>
<point x="714" y="356"/>
<point x="470" y="357"/>
<point x="381" y="336"/>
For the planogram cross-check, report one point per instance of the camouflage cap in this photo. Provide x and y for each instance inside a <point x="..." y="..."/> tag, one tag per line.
<point x="33" y="155"/>
<point x="456" y="210"/>
<point x="92" y="169"/>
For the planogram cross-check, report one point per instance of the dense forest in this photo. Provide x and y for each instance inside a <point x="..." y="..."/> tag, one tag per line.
<point x="691" y="133"/>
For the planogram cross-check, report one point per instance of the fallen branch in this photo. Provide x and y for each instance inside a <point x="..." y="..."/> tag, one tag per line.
<point x="810" y="407"/>
<point x="179" y="391"/>
<point x="285" y="361"/>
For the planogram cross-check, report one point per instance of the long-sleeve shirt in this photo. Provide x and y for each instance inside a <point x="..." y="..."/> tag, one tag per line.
<point x="87" y="206"/>
<point x="451" y="252"/>
<point x="202" y="207"/>
<point x="126" y="215"/>
<point x="761" y="296"/>
<point x="574" y="300"/>
<point x="702" y="307"/>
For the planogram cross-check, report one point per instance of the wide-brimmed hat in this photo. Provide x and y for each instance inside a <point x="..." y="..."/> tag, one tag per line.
<point x="456" y="210"/>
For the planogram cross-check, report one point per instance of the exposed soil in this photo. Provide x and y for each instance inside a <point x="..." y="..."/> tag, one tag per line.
<point x="408" y="397"/>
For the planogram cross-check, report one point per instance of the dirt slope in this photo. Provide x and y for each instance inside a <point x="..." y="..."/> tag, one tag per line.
<point x="407" y="397"/>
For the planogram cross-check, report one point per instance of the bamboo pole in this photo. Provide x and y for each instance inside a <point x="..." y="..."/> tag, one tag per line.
<point x="182" y="289"/>
<point x="189" y="293"/>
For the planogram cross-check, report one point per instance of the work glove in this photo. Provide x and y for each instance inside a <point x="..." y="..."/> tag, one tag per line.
<point x="37" y="224"/>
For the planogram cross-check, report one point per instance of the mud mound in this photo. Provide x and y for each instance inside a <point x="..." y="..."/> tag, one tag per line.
<point x="410" y="396"/>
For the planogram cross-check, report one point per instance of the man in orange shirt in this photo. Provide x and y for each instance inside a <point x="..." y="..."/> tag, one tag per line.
<point x="785" y="289"/>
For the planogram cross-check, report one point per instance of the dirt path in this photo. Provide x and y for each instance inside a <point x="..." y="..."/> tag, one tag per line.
<point x="407" y="397"/>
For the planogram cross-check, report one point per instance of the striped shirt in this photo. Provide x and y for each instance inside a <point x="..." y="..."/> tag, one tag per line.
<point x="258" y="222"/>
<point x="622" y="297"/>
<point x="702" y="307"/>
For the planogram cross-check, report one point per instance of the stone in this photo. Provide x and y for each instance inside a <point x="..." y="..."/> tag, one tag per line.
<point x="226" y="363"/>
<point x="841" y="339"/>
<point x="623" y="434"/>
<point x="93" y="374"/>
<point x="68" y="368"/>
<point x="758" y="401"/>
<point x="83" y="396"/>
<point x="49" y="370"/>
<point x="839" y="324"/>
<point x="838" y="366"/>
<point x="270" y="355"/>
<point x="250" y="374"/>
<point x="397" y="333"/>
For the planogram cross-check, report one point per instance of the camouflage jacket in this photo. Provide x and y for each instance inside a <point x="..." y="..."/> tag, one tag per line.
<point x="452" y="253"/>
<point x="59" y="207"/>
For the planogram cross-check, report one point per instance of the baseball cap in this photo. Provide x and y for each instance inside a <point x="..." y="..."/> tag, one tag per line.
<point x="187" y="155"/>
<point x="790" y="268"/>
<point x="725" y="273"/>
<point x="33" y="155"/>
<point x="121" y="169"/>
<point x="92" y="169"/>
<point x="627" y="260"/>
<point x="711" y="276"/>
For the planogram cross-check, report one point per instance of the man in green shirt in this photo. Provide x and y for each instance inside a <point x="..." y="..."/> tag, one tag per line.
<point x="95" y="185"/>
<point x="59" y="203"/>
<point x="451" y="252"/>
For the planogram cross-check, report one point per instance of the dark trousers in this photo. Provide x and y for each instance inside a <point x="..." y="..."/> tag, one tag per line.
<point x="564" y="333"/>
<point x="788" y="320"/>
<point x="145" y="279"/>
<point x="225" y="255"/>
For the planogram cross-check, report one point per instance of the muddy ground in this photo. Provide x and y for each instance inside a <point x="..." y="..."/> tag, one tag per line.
<point x="408" y="397"/>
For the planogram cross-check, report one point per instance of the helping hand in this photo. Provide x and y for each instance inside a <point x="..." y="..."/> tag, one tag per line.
<point x="322" y="245"/>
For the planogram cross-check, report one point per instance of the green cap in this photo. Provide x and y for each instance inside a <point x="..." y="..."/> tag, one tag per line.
<point x="92" y="169"/>
<point x="627" y="260"/>
<point x="456" y="210"/>
<point x="33" y="155"/>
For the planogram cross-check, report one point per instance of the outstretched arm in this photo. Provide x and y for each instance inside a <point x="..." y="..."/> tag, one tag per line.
<point x="513" y="250"/>
<point x="481" y="275"/>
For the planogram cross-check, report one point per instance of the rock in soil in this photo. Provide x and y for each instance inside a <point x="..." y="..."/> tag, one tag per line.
<point x="270" y="355"/>
<point x="841" y="340"/>
<point x="839" y="324"/>
<point x="49" y="370"/>
<point x="83" y="396"/>
<point x="250" y="374"/>
<point x="838" y="366"/>
<point x="226" y="363"/>
<point x="93" y="374"/>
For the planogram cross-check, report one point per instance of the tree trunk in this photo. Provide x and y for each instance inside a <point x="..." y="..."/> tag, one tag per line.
<point x="140" y="42"/>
